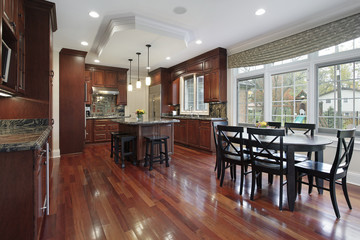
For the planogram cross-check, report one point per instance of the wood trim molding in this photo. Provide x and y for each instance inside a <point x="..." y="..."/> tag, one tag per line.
<point x="73" y="52"/>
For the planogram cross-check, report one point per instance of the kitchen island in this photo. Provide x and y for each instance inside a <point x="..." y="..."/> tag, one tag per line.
<point x="147" y="127"/>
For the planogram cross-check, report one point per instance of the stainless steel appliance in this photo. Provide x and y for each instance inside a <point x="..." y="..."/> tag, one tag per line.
<point x="155" y="102"/>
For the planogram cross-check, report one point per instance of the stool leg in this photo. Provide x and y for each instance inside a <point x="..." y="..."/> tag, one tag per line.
<point x="112" y="145"/>
<point x="166" y="153"/>
<point x="133" y="155"/>
<point x="151" y="155"/>
<point x="146" y="154"/>
<point x="122" y="153"/>
<point x="161" y="153"/>
<point x="116" y="158"/>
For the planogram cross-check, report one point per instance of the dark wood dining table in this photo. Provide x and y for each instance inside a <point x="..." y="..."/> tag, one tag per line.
<point x="297" y="143"/>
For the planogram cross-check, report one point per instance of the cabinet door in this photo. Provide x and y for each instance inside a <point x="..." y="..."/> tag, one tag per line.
<point x="207" y="87"/>
<point x="10" y="12"/>
<point x="181" y="132"/>
<point x="88" y="83"/>
<point x="98" y="78"/>
<point x="21" y="48"/>
<point x="193" y="133"/>
<point x="89" y="135"/>
<point x="211" y="87"/>
<point x="111" y="79"/>
<point x="175" y="92"/>
<point x="205" y="135"/>
<point x="121" y="99"/>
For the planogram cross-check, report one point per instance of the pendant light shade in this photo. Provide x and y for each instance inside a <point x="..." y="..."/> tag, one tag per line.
<point x="138" y="82"/>
<point x="148" y="79"/>
<point x="130" y="88"/>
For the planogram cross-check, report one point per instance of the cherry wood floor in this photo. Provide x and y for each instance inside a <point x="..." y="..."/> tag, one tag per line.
<point x="93" y="198"/>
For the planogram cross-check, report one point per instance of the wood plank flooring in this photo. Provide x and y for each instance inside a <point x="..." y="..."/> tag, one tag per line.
<point x="93" y="198"/>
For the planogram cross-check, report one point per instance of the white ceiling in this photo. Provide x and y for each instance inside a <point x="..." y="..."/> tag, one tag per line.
<point x="231" y="24"/>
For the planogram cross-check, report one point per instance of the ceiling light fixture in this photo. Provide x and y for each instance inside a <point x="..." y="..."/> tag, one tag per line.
<point x="168" y="58"/>
<point x="130" y="86"/>
<point x="148" y="79"/>
<point x="97" y="60"/>
<point x="198" y="42"/>
<point x="260" y="11"/>
<point x="138" y="82"/>
<point x="94" y="14"/>
<point x="180" y="10"/>
<point x="84" y="43"/>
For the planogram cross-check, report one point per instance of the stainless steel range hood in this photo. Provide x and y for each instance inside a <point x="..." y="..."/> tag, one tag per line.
<point x="105" y="91"/>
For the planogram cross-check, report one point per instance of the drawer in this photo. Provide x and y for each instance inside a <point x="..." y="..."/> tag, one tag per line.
<point x="113" y="127"/>
<point x="100" y="137"/>
<point x="100" y="127"/>
<point x="205" y="124"/>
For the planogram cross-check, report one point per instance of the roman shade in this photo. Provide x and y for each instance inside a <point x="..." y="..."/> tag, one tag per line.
<point x="299" y="44"/>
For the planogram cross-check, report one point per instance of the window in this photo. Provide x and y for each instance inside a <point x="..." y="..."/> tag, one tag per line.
<point x="346" y="46"/>
<point x="289" y="97"/>
<point x="341" y="84"/>
<point x="250" y="99"/>
<point x="193" y="95"/>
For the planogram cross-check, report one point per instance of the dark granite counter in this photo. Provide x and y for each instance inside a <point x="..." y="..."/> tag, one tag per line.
<point x="106" y="117"/>
<point x="23" y="134"/>
<point x="194" y="118"/>
<point x="133" y="121"/>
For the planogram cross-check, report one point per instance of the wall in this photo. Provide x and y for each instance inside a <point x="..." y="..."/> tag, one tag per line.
<point x="56" y="113"/>
<point x="137" y="99"/>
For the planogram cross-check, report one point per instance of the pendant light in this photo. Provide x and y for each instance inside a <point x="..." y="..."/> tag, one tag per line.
<point x="148" y="79"/>
<point x="138" y="82"/>
<point x="130" y="88"/>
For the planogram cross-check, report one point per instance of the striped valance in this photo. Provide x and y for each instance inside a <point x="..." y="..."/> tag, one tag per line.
<point x="299" y="44"/>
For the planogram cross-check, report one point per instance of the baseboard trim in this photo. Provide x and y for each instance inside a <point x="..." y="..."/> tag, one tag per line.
<point x="55" y="153"/>
<point x="353" y="178"/>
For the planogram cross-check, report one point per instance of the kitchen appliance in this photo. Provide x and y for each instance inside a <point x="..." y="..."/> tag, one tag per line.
<point x="105" y="90"/>
<point x="155" y="102"/>
<point x="87" y="111"/>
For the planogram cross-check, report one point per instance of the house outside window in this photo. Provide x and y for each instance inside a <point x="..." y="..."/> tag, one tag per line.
<point x="339" y="83"/>
<point x="250" y="97"/>
<point x="192" y="95"/>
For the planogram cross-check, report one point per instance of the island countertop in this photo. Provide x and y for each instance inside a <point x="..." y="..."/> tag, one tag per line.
<point x="133" y="121"/>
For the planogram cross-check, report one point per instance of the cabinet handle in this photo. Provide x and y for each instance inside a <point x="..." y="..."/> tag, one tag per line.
<point x="52" y="73"/>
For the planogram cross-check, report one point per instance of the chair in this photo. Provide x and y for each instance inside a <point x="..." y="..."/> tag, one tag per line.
<point x="331" y="172"/>
<point x="150" y="155"/>
<point x="231" y="151"/>
<point x="274" y="124"/>
<point x="264" y="159"/>
<point x="215" y="131"/>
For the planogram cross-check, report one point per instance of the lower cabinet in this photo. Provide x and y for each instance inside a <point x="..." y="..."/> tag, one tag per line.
<point x="195" y="133"/>
<point x="99" y="130"/>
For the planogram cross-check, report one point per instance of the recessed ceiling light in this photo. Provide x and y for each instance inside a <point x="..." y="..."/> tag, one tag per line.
<point x="180" y="10"/>
<point x="84" y="43"/>
<point x="260" y="11"/>
<point x="198" y="42"/>
<point x="97" y="60"/>
<point x="168" y="58"/>
<point x="94" y="14"/>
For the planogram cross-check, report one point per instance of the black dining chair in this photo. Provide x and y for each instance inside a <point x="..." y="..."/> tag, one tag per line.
<point x="274" y="124"/>
<point x="215" y="131"/>
<point x="231" y="152"/>
<point x="264" y="159"/>
<point x="331" y="172"/>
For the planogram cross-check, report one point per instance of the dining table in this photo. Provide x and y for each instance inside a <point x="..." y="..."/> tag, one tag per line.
<point x="293" y="143"/>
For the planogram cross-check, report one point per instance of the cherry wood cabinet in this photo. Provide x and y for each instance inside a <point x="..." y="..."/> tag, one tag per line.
<point x="99" y="78"/>
<point x="88" y="86"/>
<point x="89" y="132"/>
<point x="10" y="13"/>
<point x="102" y="129"/>
<point x="180" y="132"/>
<point x="211" y="87"/>
<point x="175" y="93"/>
<point x="193" y="132"/>
<point x="206" y="136"/>
<point x="111" y="79"/>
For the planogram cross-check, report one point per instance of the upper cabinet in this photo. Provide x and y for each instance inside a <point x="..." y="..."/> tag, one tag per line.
<point x="99" y="78"/>
<point x="10" y="13"/>
<point x="111" y="79"/>
<point x="88" y="86"/>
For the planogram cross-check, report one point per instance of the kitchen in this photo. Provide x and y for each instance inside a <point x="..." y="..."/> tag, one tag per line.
<point x="70" y="96"/>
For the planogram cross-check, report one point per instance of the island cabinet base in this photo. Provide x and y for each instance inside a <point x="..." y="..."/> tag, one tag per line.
<point x="142" y="130"/>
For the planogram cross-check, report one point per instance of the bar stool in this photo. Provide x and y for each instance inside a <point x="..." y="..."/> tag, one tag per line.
<point x="121" y="141"/>
<point x="151" y="141"/>
<point x="113" y="135"/>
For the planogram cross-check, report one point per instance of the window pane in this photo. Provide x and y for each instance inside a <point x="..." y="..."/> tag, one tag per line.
<point x="276" y="94"/>
<point x="326" y="122"/>
<point x="200" y="105"/>
<point x="189" y="94"/>
<point x="346" y="71"/>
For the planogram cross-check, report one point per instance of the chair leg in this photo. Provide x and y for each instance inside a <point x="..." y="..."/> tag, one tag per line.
<point x="253" y="178"/>
<point x="112" y="146"/>
<point x="166" y="154"/>
<point x="344" y="187"/>
<point x="281" y="192"/>
<point x="333" y="198"/>
<point x="122" y="154"/>
<point x="151" y="155"/>
<point x="146" y="154"/>
<point x="259" y="180"/>
<point x="231" y="172"/>
<point x="242" y="179"/>
<point x="219" y="170"/>
<point x="311" y="183"/>
<point x="270" y="178"/>
<point x="234" y="172"/>
<point x="222" y="173"/>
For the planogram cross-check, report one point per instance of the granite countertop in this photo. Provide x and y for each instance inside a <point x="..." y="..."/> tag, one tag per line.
<point x="23" y="134"/>
<point x="133" y="121"/>
<point x="106" y="117"/>
<point x="195" y="117"/>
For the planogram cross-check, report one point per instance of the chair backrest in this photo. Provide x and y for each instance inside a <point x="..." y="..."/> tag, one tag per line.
<point x="215" y="131"/>
<point x="308" y="127"/>
<point x="263" y="140"/>
<point x="230" y="142"/>
<point x="344" y="150"/>
<point x="274" y="124"/>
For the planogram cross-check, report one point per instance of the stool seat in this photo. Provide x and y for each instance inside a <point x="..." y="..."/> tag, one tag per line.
<point x="151" y="142"/>
<point x="120" y="141"/>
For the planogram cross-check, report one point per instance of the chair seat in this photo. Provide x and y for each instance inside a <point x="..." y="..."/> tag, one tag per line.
<point x="314" y="168"/>
<point x="270" y="165"/>
<point x="297" y="157"/>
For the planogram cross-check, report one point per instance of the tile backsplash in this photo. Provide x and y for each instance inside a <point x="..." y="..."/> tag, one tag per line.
<point x="104" y="105"/>
<point x="216" y="110"/>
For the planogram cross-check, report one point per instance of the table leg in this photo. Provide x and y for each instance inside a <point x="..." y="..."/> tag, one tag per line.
<point x="319" y="157"/>
<point x="291" y="181"/>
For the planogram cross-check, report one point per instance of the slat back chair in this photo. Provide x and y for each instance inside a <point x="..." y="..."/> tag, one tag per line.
<point x="215" y="133"/>
<point x="307" y="127"/>
<point x="232" y="152"/>
<point x="265" y="159"/>
<point x="331" y="172"/>
<point x="274" y="124"/>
